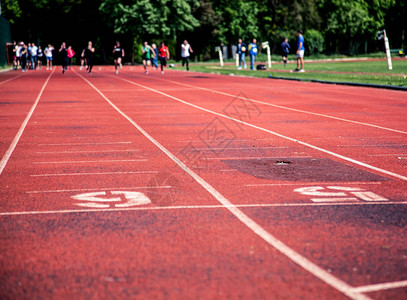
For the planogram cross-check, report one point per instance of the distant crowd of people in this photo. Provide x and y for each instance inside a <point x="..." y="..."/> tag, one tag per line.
<point x="31" y="56"/>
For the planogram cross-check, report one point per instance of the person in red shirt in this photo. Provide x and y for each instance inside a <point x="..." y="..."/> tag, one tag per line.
<point x="164" y="54"/>
<point x="71" y="54"/>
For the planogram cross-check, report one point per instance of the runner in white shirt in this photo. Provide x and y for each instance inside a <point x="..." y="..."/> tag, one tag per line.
<point x="34" y="59"/>
<point x="185" y="53"/>
<point x="48" y="55"/>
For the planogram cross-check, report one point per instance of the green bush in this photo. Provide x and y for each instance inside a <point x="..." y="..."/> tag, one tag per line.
<point x="314" y="41"/>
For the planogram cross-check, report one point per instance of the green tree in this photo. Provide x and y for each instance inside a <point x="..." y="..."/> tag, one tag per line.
<point x="11" y="10"/>
<point x="350" y="21"/>
<point x="145" y="19"/>
<point x="239" y="19"/>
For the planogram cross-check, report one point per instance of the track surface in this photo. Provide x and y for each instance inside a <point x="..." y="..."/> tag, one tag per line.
<point x="197" y="186"/>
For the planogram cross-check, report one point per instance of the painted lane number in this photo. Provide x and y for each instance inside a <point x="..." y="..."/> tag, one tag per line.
<point x="338" y="194"/>
<point x="119" y="199"/>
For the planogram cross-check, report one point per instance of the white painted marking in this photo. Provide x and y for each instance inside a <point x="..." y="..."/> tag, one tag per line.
<point x="394" y="154"/>
<point x="16" y="139"/>
<point x="246" y="148"/>
<point x="289" y="108"/>
<point x="305" y="183"/>
<point x="65" y="211"/>
<point x="328" y="196"/>
<point x="94" y="151"/>
<point x="87" y="161"/>
<point x="88" y="174"/>
<point x="251" y="224"/>
<point x="354" y="161"/>
<point x="83" y="144"/>
<point x="316" y="191"/>
<point x="132" y="199"/>
<point x="8" y="80"/>
<point x="247" y="158"/>
<point x="101" y="189"/>
<point x="320" y="200"/>
<point x="381" y="286"/>
<point x="369" y="196"/>
<point x="379" y="145"/>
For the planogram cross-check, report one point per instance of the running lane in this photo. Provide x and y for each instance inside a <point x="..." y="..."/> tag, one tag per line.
<point x="174" y="247"/>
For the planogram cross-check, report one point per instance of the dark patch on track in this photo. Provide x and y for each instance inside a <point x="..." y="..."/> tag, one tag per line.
<point x="199" y="76"/>
<point x="302" y="169"/>
<point x="68" y="101"/>
<point x="8" y="103"/>
<point x="367" y="216"/>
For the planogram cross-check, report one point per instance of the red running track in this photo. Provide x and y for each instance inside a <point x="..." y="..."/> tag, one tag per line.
<point x="199" y="186"/>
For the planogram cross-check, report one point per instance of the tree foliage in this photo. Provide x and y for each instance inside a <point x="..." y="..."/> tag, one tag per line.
<point x="328" y="25"/>
<point x="146" y="18"/>
<point x="11" y="10"/>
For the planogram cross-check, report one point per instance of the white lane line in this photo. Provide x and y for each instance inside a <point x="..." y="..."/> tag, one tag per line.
<point x="222" y="140"/>
<point x="83" y="144"/>
<point x="247" y="158"/>
<point x="233" y="148"/>
<point x="302" y="261"/>
<point x="86" y="161"/>
<point x="354" y="161"/>
<point x="101" y="189"/>
<point x="152" y="208"/>
<point x="381" y="286"/>
<point x="379" y="145"/>
<point x="309" y="183"/>
<point x="289" y="108"/>
<point x="16" y="139"/>
<point x="395" y="154"/>
<point x="94" y="151"/>
<point x="8" y="80"/>
<point x="88" y="174"/>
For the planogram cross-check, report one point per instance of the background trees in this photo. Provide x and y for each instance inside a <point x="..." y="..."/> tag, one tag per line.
<point x="347" y="26"/>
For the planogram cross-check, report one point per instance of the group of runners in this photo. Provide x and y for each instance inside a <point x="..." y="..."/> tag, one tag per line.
<point x="30" y="55"/>
<point x="151" y="55"/>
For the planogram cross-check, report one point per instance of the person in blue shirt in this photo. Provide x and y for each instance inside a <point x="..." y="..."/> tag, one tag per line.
<point x="300" y="52"/>
<point x="241" y="52"/>
<point x="252" y="53"/>
<point x="285" y="49"/>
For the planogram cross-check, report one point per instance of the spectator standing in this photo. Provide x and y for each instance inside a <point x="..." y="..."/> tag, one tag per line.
<point x="40" y="55"/>
<point x="186" y="51"/>
<point x="164" y="54"/>
<point x="34" y="56"/>
<point x="24" y="55"/>
<point x="252" y="53"/>
<point x="15" y="62"/>
<point x="241" y="52"/>
<point x="300" y="52"/>
<point x="29" y="48"/>
<point x="285" y="49"/>
<point x="48" y="54"/>
<point x="71" y="54"/>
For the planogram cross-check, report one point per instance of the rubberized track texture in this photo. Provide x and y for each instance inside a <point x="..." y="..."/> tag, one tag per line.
<point x="197" y="186"/>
